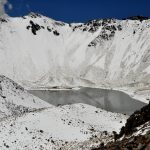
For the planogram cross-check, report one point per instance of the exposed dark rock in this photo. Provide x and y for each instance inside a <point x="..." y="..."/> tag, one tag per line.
<point x="141" y="142"/>
<point x="59" y="23"/>
<point x="140" y="18"/>
<point x="42" y="27"/>
<point x="3" y="20"/>
<point x="119" y="27"/>
<point x="49" y="29"/>
<point x="34" y="15"/>
<point x="136" y="119"/>
<point x="34" y="27"/>
<point x="7" y="146"/>
<point x="28" y="27"/>
<point x="26" y="128"/>
<point x="3" y="96"/>
<point x="41" y="131"/>
<point x="104" y="36"/>
<point x="56" y="33"/>
<point x="24" y="17"/>
<point x="92" y="44"/>
<point x="140" y="119"/>
<point x="84" y="29"/>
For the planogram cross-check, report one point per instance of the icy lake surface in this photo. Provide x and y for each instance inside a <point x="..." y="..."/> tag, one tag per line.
<point x="110" y="100"/>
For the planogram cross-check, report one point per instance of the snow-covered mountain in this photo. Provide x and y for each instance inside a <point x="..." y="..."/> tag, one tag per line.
<point x="28" y="123"/>
<point x="40" y="52"/>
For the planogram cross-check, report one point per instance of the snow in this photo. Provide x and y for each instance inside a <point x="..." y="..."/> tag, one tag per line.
<point x="54" y="122"/>
<point x="101" y="63"/>
<point x="147" y="70"/>
<point x="33" y="124"/>
<point x="78" y="55"/>
<point x="67" y="60"/>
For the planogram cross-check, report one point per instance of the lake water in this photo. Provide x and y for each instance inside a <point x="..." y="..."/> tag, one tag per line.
<point x="110" y="100"/>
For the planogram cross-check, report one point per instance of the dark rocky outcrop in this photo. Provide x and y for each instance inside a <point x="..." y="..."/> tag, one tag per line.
<point x="49" y="29"/>
<point x="59" y="23"/>
<point x="35" y="15"/>
<point x="56" y="33"/>
<point x="135" y="120"/>
<point x="141" y="142"/>
<point x="28" y="27"/>
<point x="34" y="27"/>
<point x="107" y="33"/>
<point x="140" y="18"/>
<point x="130" y="141"/>
<point x="3" y="20"/>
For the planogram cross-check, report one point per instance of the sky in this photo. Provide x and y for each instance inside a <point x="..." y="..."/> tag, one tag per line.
<point x="80" y="10"/>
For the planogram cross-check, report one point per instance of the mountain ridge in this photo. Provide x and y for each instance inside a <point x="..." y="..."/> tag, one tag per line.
<point x="53" y="53"/>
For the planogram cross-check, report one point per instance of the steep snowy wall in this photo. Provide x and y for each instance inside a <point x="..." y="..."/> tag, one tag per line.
<point x="40" y="52"/>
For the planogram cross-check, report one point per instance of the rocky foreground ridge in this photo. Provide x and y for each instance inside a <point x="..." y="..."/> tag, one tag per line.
<point x="135" y="135"/>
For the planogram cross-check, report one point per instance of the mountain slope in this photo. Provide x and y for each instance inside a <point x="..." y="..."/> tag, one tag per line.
<point x="26" y="122"/>
<point x="15" y="101"/>
<point x="134" y="135"/>
<point x="51" y="53"/>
